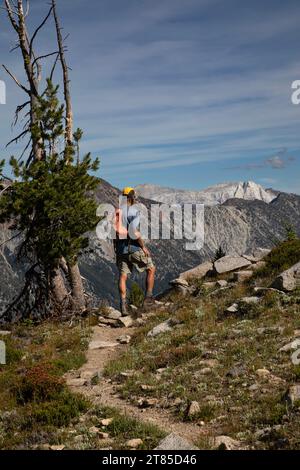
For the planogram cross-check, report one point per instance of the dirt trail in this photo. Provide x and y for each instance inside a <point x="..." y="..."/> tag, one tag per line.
<point x="105" y="393"/>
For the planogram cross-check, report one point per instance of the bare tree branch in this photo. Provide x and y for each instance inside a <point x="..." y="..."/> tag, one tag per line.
<point x="44" y="57"/>
<point x="38" y="29"/>
<point x="67" y="95"/>
<point x="16" y="80"/>
<point x="15" y="139"/>
<point x="11" y="15"/>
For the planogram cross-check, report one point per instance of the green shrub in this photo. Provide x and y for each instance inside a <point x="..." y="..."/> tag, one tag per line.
<point x="66" y="407"/>
<point x="282" y="257"/>
<point x="136" y="296"/>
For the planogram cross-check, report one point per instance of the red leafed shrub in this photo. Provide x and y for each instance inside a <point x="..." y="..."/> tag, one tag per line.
<point x="38" y="383"/>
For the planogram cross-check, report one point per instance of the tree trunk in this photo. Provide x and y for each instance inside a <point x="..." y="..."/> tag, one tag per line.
<point x="77" y="287"/>
<point x="74" y="273"/>
<point x="58" y="287"/>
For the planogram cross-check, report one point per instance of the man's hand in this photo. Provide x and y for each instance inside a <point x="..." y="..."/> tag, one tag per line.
<point x="146" y="251"/>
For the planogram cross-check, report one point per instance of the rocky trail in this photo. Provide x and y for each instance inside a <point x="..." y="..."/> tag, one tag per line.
<point x="105" y="393"/>
<point x="255" y="317"/>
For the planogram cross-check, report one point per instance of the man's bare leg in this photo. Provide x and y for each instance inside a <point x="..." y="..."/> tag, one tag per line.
<point x="122" y="291"/>
<point x="150" y="282"/>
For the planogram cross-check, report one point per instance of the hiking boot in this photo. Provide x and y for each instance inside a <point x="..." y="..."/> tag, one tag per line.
<point x="149" y="302"/>
<point x="123" y="308"/>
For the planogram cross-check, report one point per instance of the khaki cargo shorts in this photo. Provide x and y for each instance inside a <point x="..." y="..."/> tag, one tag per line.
<point x="137" y="260"/>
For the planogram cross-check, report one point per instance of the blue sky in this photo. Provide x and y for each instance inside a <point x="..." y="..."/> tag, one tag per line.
<point x="183" y="93"/>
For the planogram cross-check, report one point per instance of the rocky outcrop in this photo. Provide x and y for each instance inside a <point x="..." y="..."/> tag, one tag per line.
<point x="230" y="263"/>
<point x="198" y="272"/>
<point x="289" y="280"/>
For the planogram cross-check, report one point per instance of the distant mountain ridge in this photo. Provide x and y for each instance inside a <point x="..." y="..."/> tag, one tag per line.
<point x="238" y="225"/>
<point x="210" y="196"/>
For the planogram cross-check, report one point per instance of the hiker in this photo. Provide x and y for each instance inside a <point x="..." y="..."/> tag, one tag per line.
<point x="131" y="251"/>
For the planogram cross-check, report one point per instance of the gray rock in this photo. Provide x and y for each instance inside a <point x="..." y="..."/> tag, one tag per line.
<point x="194" y="409"/>
<point x="293" y="394"/>
<point x="175" y="442"/>
<point x="234" y="308"/>
<point x="261" y="253"/>
<point x="198" y="272"/>
<point x="102" y="344"/>
<point x="249" y="300"/>
<point x="112" y="313"/>
<point x="289" y="280"/>
<point x="5" y="333"/>
<point x="226" y="443"/>
<point x="251" y="258"/>
<point x="258" y="265"/>
<point x="230" y="263"/>
<point x="77" y="382"/>
<point x="209" y="285"/>
<point x="134" y="443"/>
<point x="236" y="371"/>
<point x="241" y="276"/>
<point x="108" y="322"/>
<point x="179" y="282"/>
<point x="126" y="321"/>
<point x="291" y="346"/>
<point x="222" y="283"/>
<point x="124" y="339"/>
<point x="161" y="328"/>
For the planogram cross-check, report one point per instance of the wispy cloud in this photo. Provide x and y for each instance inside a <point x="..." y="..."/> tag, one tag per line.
<point x="171" y="83"/>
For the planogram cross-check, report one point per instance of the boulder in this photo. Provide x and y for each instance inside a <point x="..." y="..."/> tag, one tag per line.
<point x="289" y="280"/>
<point x="241" y="276"/>
<point x="230" y="263"/>
<point x="198" y="272"/>
<point x="226" y="443"/>
<point x="112" y="313"/>
<point x="222" y="283"/>
<point x="175" y="442"/>
<point x="293" y="346"/>
<point x="126" y="321"/>
<point x="261" y="253"/>
<point x="161" y="328"/>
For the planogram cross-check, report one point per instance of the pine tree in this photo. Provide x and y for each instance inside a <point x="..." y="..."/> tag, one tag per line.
<point x="52" y="205"/>
<point x="220" y="253"/>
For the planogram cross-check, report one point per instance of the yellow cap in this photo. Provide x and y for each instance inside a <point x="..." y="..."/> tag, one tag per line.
<point x="127" y="191"/>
